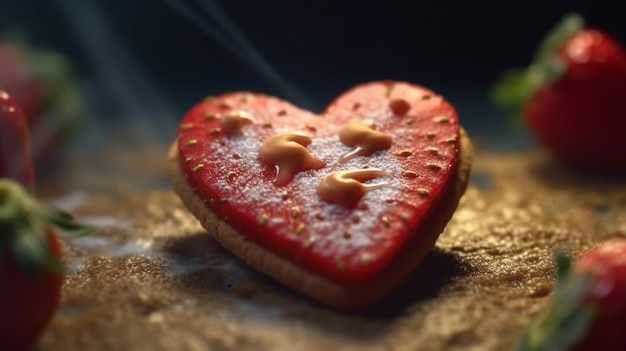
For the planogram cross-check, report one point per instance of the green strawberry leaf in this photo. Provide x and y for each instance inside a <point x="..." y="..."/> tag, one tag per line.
<point x="29" y="247"/>
<point x="27" y="222"/>
<point x="517" y="86"/>
<point x="563" y="265"/>
<point x="565" y="29"/>
<point x="514" y="86"/>
<point x="567" y="318"/>
<point x="64" y="226"/>
<point x="53" y="264"/>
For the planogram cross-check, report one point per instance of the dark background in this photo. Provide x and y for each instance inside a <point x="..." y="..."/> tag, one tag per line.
<point x="159" y="57"/>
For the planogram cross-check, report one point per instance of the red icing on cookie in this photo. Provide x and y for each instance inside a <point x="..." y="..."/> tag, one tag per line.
<point x="348" y="245"/>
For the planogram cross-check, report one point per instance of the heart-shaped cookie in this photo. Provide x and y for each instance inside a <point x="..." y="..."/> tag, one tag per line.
<point x="340" y="206"/>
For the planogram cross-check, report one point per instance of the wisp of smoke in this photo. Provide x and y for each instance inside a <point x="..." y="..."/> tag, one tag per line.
<point x="122" y="83"/>
<point x="121" y="87"/>
<point x="217" y="25"/>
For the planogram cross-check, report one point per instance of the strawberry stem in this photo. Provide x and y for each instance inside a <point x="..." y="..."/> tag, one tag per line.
<point x="517" y="86"/>
<point x="568" y="26"/>
<point x="24" y="225"/>
<point x="567" y="318"/>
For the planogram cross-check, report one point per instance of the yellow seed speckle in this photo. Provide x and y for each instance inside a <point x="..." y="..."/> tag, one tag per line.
<point x="404" y="218"/>
<point x="433" y="150"/>
<point x="282" y="112"/>
<point x="263" y="220"/>
<point x="295" y="212"/>
<point x="186" y="126"/>
<point x="404" y="153"/>
<point x="434" y="166"/>
<point x="267" y="125"/>
<point x="430" y="135"/>
<point x="451" y="140"/>
<point x="191" y="142"/>
<point x="300" y="229"/>
<point x="209" y="99"/>
<point x="341" y="266"/>
<point x="366" y="258"/>
<point x="409" y="122"/>
<point x="210" y="116"/>
<point x="386" y="222"/>
<point x="215" y="131"/>
<point x="422" y="191"/>
<point x="224" y="200"/>
<point x="308" y="243"/>
<point x="311" y="127"/>
<point x="224" y="105"/>
<point x="410" y="174"/>
<point x="388" y="88"/>
<point x="442" y="119"/>
<point x="356" y="106"/>
<point x="284" y="195"/>
<point x="188" y="159"/>
<point x="198" y="168"/>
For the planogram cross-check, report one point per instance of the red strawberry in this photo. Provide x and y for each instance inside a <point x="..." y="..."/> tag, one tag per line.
<point x="30" y="269"/>
<point x="342" y="195"/>
<point x="607" y="294"/>
<point x="15" y="157"/>
<point x="42" y="82"/>
<point x="573" y="96"/>
<point x="16" y="79"/>
<point x="588" y="310"/>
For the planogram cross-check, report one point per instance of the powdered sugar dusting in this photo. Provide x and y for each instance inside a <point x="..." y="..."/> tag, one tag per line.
<point x="264" y="195"/>
<point x="241" y="189"/>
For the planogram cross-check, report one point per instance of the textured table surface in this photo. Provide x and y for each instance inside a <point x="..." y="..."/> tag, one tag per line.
<point x="151" y="279"/>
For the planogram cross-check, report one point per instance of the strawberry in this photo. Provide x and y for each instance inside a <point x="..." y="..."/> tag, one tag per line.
<point x="588" y="310"/>
<point x="341" y="195"/>
<point x="30" y="268"/>
<point x="573" y="96"/>
<point x="15" y="158"/>
<point x="43" y="83"/>
<point x="15" y="78"/>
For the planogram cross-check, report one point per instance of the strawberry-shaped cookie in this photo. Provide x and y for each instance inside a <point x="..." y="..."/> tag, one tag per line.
<point x="340" y="206"/>
<point x="573" y="96"/>
<point x="588" y="309"/>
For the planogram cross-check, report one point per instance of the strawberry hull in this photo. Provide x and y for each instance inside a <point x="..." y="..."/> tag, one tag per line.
<point x="30" y="263"/>
<point x="351" y="246"/>
<point x="581" y="117"/>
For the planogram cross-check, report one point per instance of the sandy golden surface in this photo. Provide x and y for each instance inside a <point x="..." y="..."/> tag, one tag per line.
<point x="151" y="279"/>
